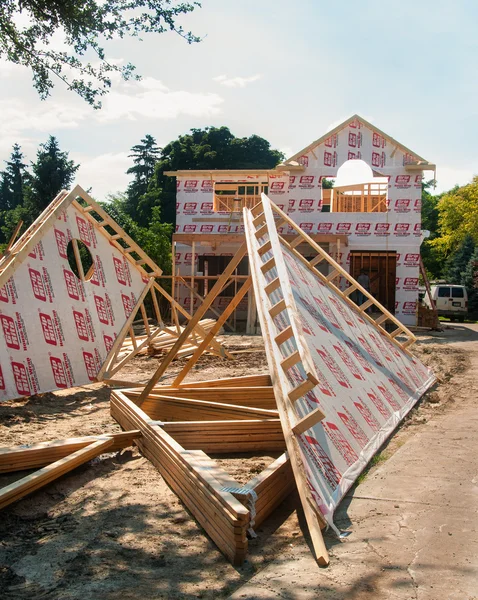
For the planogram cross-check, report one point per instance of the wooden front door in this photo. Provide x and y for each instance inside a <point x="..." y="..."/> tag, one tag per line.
<point x="381" y="267"/>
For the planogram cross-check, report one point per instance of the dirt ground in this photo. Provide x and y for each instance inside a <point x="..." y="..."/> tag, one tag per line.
<point x="113" y="529"/>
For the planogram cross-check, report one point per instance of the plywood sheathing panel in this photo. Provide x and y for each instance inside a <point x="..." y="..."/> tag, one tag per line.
<point x="342" y="383"/>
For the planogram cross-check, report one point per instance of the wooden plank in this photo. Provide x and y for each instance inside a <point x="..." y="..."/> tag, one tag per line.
<point x="157" y="408"/>
<point x="244" y="381"/>
<point x="122" y="333"/>
<point x="214" y="330"/>
<point x="38" y="479"/>
<point x="196" y="318"/>
<point x="308" y="421"/>
<point x="37" y="455"/>
<point x="281" y="384"/>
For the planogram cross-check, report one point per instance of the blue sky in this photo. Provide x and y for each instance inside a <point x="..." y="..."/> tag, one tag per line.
<point x="287" y="72"/>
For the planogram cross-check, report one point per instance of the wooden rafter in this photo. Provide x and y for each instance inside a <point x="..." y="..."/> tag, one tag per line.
<point x="266" y="267"/>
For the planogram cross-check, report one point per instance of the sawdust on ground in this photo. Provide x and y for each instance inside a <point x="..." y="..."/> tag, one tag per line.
<point x="113" y="529"/>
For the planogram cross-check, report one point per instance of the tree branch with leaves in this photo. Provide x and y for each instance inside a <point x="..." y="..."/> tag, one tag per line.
<point x="84" y="23"/>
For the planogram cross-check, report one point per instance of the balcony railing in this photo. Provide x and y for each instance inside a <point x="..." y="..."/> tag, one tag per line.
<point x="225" y="203"/>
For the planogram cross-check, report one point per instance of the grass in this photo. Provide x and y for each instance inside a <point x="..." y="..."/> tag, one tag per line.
<point x="376" y="460"/>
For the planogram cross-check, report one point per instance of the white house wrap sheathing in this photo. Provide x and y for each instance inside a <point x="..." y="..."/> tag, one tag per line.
<point x="367" y="384"/>
<point x="56" y="330"/>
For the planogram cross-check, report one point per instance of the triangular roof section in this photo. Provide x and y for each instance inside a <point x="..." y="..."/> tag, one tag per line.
<point x="95" y="215"/>
<point x="60" y="315"/>
<point x="345" y="124"/>
<point x="342" y="381"/>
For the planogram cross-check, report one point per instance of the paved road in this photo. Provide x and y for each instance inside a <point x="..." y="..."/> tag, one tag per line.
<point x="414" y="520"/>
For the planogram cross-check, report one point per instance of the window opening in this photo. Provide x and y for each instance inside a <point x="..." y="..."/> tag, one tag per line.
<point x="80" y="259"/>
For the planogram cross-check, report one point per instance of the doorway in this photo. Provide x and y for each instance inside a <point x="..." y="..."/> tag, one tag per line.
<point x="381" y="268"/>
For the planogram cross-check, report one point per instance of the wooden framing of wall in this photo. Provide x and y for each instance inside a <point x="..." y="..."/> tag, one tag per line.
<point x="180" y="425"/>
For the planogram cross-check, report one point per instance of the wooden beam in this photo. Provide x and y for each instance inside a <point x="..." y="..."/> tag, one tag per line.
<point x="215" y="329"/>
<point x="38" y="479"/>
<point x="196" y="318"/>
<point x="33" y="456"/>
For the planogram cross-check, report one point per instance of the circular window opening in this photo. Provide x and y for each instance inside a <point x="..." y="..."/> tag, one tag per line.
<point x="80" y="260"/>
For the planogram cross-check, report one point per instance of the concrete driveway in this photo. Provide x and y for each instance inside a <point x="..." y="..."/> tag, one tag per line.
<point x="413" y="521"/>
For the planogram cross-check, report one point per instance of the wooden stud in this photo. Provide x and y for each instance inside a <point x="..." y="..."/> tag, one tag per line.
<point x="222" y="319"/>
<point x="264" y="248"/>
<point x="201" y="311"/>
<point x="268" y="265"/>
<point x="272" y="286"/>
<point x="277" y="308"/>
<point x="32" y="482"/>
<point x="290" y="361"/>
<point x="308" y="421"/>
<point x="284" y="335"/>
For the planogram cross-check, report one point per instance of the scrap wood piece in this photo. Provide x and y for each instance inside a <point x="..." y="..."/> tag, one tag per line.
<point x="327" y="357"/>
<point x="30" y="483"/>
<point x="33" y="456"/>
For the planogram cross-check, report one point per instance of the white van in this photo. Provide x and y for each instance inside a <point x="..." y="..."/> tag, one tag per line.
<point x="451" y="301"/>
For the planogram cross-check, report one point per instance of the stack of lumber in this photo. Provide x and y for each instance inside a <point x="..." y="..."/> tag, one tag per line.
<point x="271" y="486"/>
<point x="224" y="518"/>
<point x="427" y="317"/>
<point x="229" y="437"/>
<point x="164" y="341"/>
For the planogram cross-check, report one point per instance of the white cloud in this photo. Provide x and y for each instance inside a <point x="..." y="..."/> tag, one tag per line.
<point x="236" y="82"/>
<point x="105" y="173"/>
<point x="19" y="116"/>
<point x="152" y="99"/>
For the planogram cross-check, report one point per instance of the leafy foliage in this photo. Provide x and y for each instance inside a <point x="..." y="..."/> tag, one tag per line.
<point x="469" y="279"/>
<point x="456" y="263"/>
<point x="432" y="255"/>
<point x="83" y="23"/>
<point x="24" y="194"/>
<point x="458" y="216"/>
<point x="209" y="148"/>
<point x="13" y="180"/>
<point x="155" y="239"/>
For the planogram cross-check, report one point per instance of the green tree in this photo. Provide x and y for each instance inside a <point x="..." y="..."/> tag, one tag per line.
<point x="458" y="216"/>
<point x="52" y="172"/>
<point x="155" y="239"/>
<point x="457" y="262"/>
<point x="83" y="23"/>
<point x="14" y="180"/>
<point x="432" y="255"/>
<point x="209" y="148"/>
<point x="145" y="155"/>
<point x="470" y="280"/>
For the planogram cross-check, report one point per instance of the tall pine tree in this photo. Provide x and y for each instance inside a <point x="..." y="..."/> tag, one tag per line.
<point x="14" y="180"/>
<point x="145" y="155"/>
<point x="52" y="172"/>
